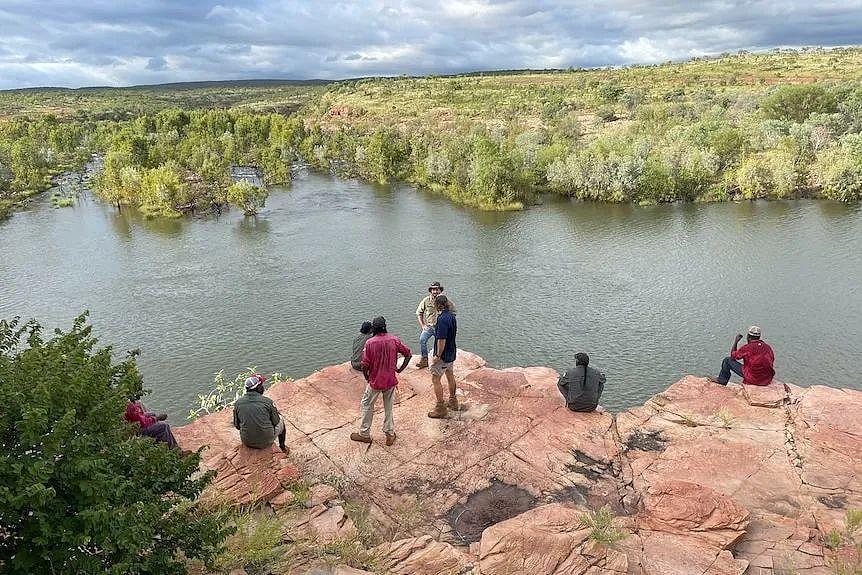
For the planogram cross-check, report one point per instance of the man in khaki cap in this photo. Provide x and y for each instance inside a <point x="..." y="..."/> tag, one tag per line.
<point x="758" y="360"/>
<point x="426" y="313"/>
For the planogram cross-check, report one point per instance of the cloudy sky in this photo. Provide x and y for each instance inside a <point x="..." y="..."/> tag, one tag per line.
<point x="122" y="42"/>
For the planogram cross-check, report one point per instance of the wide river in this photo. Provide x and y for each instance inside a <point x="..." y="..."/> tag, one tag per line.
<point x="651" y="293"/>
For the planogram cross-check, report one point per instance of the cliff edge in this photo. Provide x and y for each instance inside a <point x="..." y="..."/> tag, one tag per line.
<point x="700" y="480"/>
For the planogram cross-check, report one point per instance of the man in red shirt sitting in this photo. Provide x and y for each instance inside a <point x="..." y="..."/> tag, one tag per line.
<point x="757" y="357"/>
<point x="149" y="424"/>
<point x="379" y="361"/>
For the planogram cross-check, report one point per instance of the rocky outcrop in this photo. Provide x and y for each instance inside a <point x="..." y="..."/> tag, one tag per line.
<point x="701" y="479"/>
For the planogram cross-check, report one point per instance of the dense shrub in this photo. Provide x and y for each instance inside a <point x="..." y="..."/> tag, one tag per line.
<point x="797" y="102"/>
<point x="80" y="492"/>
<point x="247" y="197"/>
<point x="840" y="169"/>
<point x="606" y="170"/>
<point x="182" y="159"/>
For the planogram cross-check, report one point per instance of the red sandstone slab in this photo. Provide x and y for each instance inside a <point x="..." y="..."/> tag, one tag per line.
<point x="674" y="554"/>
<point x="840" y="409"/>
<point x="710" y="458"/>
<point x="548" y="540"/>
<point x="772" y="395"/>
<point x="691" y="509"/>
<point x="311" y="411"/>
<point x="516" y="431"/>
<point x="421" y="556"/>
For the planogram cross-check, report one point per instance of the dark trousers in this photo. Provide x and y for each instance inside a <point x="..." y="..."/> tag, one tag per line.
<point x="160" y="431"/>
<point x="729" y="365"/>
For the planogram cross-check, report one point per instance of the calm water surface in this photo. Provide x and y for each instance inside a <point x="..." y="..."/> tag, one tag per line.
<point x="651" y="293"/>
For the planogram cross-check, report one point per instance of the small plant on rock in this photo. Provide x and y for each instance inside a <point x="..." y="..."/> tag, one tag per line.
<point x="600" y="522"/>
<point x="225" y="393"/>
<point x="726" y="418"/>
<point x="848" y="545"/>
<point x="256" y="543"/>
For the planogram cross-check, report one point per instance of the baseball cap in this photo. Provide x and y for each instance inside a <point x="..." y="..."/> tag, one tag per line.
<point x="754" y="331"/>
<point x="254" y="380"/>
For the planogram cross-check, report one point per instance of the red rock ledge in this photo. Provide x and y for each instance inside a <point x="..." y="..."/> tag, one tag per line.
<point x="702" y="479"/>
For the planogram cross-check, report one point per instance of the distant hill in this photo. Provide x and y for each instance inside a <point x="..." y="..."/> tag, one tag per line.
<point x="264" y="83"/>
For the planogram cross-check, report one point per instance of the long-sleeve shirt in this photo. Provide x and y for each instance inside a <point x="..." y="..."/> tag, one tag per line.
<point x="380" y="356"/>
<point x="757" y="361"/>
<point x="135" y="413"/>
<point x="358" y="345"/>
<point x="582" y="394"/>
<point x="256" y="417"/>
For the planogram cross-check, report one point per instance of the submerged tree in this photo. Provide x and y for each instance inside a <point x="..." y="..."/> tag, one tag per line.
<point x="80" y="492"/>
<point x="247" y="197"/>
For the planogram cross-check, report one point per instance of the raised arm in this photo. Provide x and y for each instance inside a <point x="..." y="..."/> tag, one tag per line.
<point x="736" y="343"/>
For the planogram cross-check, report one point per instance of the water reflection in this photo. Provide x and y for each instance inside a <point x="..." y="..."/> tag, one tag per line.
<point x="253" y="225"/>
<point x="121" y="225"/>
<point x="831" y="210"/>
<point x="164" y="227"/>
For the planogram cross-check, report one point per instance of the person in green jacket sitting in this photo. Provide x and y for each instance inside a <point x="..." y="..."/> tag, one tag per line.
<point x="256" y="417"/>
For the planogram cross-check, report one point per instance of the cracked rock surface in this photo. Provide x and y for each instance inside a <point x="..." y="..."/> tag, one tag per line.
<point x="702" y="479"/>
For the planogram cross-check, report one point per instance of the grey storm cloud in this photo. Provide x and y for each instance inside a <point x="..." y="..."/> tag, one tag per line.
<point x="100" y="42"/>
<point x="157" y="63"/>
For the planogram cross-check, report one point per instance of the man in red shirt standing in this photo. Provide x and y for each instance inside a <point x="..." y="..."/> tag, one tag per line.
<point x="757" y="357"/>
<point x="379" y="364"/>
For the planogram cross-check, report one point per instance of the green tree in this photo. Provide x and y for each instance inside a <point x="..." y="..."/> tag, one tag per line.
<point x="247" y="197"/>
<point x="384" y="155"/>
<point x="840" y="169"/>
<point x="162" y="192"/>
<point x="796" y="103"/>
<point x="80" y="492"/>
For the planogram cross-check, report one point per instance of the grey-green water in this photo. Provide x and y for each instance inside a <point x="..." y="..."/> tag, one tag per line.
<point x="651" y="293"/>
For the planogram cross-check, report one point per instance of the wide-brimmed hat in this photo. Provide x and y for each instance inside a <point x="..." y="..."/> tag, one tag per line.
<point x="435" y="285"/>
<point x="254" y="380"/>
<point x="754" y="331"/>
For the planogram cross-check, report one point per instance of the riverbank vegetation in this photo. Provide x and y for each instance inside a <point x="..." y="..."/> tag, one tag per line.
<point x="178" y="161"/>
<point x="167" y="149"/>
<point x="82" y="492"/>
<point x="742" y="126"/>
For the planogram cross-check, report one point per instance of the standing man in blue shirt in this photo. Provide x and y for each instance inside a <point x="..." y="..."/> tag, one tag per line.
<point x="444" y="357"/>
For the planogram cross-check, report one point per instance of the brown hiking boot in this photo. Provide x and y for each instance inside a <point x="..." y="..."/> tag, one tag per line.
<point x="359" y="437"/>
<point x="439" y="411"/>
<point x="452" y="404"/>
<point x="390" y="438"/>
<point x="422" y="363"/>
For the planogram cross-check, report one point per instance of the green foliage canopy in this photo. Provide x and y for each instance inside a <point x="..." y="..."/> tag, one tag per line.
<point x="80" y="492"/>
<point x="797" y="102"/>
<point x="247" y="197"/>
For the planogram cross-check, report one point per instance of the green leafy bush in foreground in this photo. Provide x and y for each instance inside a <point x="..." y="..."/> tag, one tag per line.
<point x="79" y="491"/>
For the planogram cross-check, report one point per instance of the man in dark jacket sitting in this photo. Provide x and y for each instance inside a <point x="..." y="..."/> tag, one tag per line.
<point x="256" y="417"/>
<point x="582" y="385"/>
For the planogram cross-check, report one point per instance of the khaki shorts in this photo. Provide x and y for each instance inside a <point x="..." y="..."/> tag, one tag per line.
<point x="439" y="367"/>
<point x="280" y="427"/>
